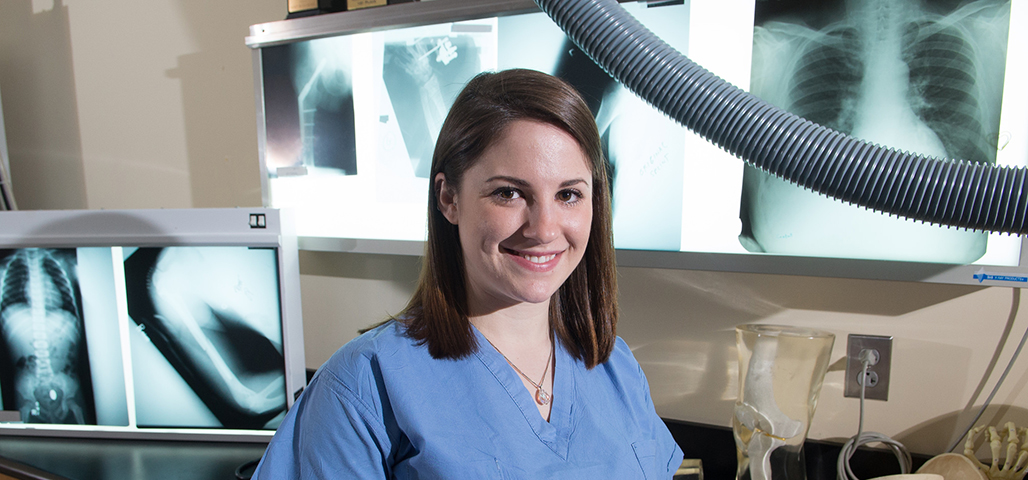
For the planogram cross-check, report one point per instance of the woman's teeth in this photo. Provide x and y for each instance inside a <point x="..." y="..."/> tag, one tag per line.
<point x="542" y="259"/>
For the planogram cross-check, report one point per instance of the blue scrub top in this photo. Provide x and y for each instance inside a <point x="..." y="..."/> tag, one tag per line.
<point x="382" y="407"/>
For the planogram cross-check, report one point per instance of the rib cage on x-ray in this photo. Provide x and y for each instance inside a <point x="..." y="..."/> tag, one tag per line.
<point x="900" y="73"/>
<point x="44" y="373"/>
<point x="944" y="89"/>
<point x="944" y="76"/>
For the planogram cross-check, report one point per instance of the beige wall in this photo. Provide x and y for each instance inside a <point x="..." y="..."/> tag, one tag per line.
<point x="119" y="104"/>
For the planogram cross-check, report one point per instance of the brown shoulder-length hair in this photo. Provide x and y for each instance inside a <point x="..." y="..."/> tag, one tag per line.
<point x="583" y="312"/>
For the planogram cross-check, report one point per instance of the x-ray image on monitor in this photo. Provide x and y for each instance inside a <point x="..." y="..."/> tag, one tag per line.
<point x="207" y="345"/>
<point x="308" y="95"/>
<point x="919" y="76"/>
<point x="645" y="149"/>
<point x="44" y="367"/>
<point x="423" y="70"/>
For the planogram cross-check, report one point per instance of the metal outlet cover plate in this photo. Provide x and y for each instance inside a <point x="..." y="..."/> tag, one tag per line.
<point x="856" y="343"/>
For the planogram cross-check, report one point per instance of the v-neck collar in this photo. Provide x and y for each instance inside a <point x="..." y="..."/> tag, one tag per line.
<point x="556" y="433"/>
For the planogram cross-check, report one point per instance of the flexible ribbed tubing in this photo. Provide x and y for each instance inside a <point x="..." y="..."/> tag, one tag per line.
<point x="957" y="193"/>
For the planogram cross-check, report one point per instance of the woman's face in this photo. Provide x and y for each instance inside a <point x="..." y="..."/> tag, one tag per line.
<point x="523" y="212"/>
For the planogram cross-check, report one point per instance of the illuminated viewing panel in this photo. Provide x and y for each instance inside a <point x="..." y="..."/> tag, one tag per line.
<point x="350" y="119"/>
<point x="159" y="337"/>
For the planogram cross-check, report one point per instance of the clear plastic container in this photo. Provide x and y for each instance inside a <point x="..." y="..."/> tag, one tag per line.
<point x="781" y="370"/>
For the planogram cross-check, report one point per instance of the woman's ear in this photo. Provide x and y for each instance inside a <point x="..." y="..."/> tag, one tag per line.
<point x="447" y="198"/>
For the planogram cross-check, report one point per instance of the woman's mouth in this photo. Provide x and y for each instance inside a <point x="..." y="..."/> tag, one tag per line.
<point x="543" y="260"/>
<point x="538" y="259"/>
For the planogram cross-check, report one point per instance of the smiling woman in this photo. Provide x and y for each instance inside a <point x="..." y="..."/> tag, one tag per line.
<point x="518" y="283"/>
<point x="526" y="209"/>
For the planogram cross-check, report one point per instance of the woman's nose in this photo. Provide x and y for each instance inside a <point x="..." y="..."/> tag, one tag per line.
<point x="542" y="223"/>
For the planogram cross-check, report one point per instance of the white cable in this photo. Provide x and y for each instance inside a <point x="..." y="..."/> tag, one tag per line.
<point x="863" y="438"/>
<point x="995" y="388"/>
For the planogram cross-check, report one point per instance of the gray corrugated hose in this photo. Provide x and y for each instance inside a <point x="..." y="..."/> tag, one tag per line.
<point x="957" y="193"/>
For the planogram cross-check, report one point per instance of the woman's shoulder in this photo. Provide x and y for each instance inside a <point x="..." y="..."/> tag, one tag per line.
<point x="621" y="356"/>
<point x="622" y="368"/>
<point x="386" y="343"/>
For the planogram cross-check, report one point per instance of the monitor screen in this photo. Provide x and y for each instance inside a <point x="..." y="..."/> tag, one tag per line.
<point x="350" y="104"/>
<point x="149" y="323"/>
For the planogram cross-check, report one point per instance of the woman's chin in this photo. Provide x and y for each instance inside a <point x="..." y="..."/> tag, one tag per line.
<point x="538" y="295"/>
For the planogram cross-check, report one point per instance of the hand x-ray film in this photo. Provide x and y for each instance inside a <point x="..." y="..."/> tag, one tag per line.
<point x="423" y="70"/>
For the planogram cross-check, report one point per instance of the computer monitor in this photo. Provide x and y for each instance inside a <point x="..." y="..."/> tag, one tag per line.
<point x="153" y="324"/>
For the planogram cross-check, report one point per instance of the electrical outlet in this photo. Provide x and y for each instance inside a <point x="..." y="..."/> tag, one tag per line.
<point x="877" y="377"/>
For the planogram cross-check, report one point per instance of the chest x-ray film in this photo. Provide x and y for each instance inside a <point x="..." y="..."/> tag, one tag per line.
<point x="919" y="76"/>
<point x="109" y="340"/>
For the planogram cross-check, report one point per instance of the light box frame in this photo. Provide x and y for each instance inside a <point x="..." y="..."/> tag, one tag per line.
<point x="437" y="11"/>
<point x="260" y="228"/>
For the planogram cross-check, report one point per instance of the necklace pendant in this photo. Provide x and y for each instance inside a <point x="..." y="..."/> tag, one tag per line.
<point x="542" y="397"/>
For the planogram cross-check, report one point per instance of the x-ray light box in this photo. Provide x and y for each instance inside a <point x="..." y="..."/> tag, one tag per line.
<point x="154" y="324"/>
<point x="349" y="105"/>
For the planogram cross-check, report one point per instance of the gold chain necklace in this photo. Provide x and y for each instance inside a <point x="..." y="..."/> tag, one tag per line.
<point x="542" y="397"/>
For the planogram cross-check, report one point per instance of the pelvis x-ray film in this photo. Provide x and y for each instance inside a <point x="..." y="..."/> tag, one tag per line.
<point x="44" y="367"/>
<point x="206" y="341"/>
<point x="308" y="101"/>
<point x="645" y="150"/>
<point x="919" y="76"/>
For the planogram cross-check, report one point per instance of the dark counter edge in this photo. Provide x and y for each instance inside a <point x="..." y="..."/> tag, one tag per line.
<point x="714" y="445"/>
<point x="21" y="471"/>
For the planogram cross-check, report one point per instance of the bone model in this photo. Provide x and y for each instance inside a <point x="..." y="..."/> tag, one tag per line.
<point x="759" y="413"/>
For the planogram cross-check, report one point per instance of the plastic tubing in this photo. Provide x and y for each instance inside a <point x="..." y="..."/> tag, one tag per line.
<point x="955" y="193"/>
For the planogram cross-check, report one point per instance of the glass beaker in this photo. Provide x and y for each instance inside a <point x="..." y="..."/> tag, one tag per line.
<point x="781" y="370"/>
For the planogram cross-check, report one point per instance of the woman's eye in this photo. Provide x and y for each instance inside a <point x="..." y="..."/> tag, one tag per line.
<point x="507" y="193"/>
<point x="569" y="196"/>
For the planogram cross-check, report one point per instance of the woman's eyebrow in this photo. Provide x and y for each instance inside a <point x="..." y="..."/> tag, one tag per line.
<point x="503" y="178"/>
<point x="522" y="183"/>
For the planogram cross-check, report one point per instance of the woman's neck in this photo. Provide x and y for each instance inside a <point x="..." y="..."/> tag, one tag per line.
<point x="521" y="326"/>
<point x="521" y="333"/>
